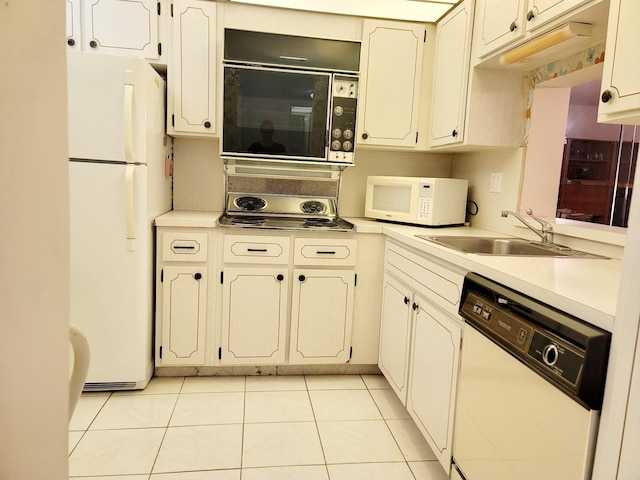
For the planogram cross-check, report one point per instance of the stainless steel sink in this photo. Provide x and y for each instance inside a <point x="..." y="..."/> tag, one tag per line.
<point x="505" y="246"/>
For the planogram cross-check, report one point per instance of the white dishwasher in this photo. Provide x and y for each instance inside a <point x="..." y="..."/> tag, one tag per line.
<point x="530" y="388"/>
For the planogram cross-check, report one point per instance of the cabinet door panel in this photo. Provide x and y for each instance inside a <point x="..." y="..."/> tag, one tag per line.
<point x="192" y="76"/>
<point x="621" y="68"/>
<point x="395" y="334"/>
<point x="122" y="27"/>
<point x="73" y="22"/>
<point x="543" y="11"/>
<point x="184" y="309"/>
<point x="391" y="67"/>
<point x="451" y="72"/>
<point x="498" y="22"/>
<point x="254" y="316"/>
<point x="321" y="316"/>
<point x="434" y="376"/>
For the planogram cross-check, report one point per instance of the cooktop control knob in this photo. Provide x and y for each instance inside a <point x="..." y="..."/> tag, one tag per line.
<point x="336" y="133"/>
<point x="335" y="145"/>
<point x="338" y="111"/>
<point x="348" y="134"/>
<point x="347" y="146"/>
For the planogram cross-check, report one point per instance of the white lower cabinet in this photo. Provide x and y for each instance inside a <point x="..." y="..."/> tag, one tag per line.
<point x="435" y="355"/>
<point x="184" y="307"/>
<point x="305" y="296"/>
<point x="254" y="312"/>
<point x="321" y="316"/>
<point x="182" y="296"/>
<point x="395" y="330"/>
<point x="420" y="337"/>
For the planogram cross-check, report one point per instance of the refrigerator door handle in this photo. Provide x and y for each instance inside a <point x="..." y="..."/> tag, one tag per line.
<point x="128" y="117"/>
<point x="128" y="200"/>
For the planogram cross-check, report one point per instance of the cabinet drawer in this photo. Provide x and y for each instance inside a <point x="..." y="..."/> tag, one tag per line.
<point x="439" y="284"/>
<point x="184" y="247"/>
<point x="241" y="249"/>
<point x="316" y="251"/>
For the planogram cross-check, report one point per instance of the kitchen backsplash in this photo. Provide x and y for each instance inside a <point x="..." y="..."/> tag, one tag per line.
<point x="199" y="179"/>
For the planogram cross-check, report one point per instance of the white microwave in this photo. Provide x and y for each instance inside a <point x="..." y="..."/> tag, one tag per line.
<point x="418" y="200"/>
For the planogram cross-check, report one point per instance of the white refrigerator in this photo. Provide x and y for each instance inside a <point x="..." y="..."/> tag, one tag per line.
<point x="120" y="181"/>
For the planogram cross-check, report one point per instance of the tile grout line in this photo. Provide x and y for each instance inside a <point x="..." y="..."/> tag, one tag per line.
<point x="389" y="429"/>
<point x="166" y="429"/>
<point x="244" y="417"/>
<point x="315" y="421"/>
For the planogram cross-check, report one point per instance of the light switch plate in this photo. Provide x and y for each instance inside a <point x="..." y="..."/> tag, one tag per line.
<point x="496" y="182"/>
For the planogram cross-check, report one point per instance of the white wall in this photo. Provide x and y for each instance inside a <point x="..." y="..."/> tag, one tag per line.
<point x="34" y="252"/>
<point x="543" y="163"/>
<point x="582" y="123"/>
<point x="477" y="168"/>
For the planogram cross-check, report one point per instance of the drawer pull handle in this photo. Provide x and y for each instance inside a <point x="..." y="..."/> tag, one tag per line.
<point x="261" y="250"/>
<point x="325" y="252"/>
<point x="280" y="277"/>
<point x="184" y="247"/>
<point x="197" y="276"/>
<point x="415" y="307"/>
<point x="302" y="278"/>
<point x="406" y="300"/>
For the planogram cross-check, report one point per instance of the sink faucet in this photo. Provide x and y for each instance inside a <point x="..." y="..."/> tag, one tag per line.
<point x="545" y="233"/>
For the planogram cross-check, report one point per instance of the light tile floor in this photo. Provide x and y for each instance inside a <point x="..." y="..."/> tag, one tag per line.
<point x="314" y="427"/>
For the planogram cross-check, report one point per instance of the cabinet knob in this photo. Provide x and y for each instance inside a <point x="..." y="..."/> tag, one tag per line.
<point x="197" y="276"/>
<point x="207" y="124"/>
<point x="513" y="26"/>
<point x="280" y="277"/>
<point x="71" y="42"/>
<point x="414" y="306"/>
<point x="454" y="133"/>
<point x="530" y="15"/>
<point x="365" y="135"/>
<point x="606" y="96"/>
<point x="93" y="44"/>
<point x="302" y="278"/>
<point x="406" y="300"/>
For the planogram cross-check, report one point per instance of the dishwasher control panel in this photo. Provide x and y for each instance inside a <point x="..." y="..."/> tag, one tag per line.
<point x="566" y="351"/>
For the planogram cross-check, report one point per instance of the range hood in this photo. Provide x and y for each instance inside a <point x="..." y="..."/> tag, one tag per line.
<point x="411" y="10"/>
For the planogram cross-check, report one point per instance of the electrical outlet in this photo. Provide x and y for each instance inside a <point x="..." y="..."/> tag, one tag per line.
<point x="496" y="182"/>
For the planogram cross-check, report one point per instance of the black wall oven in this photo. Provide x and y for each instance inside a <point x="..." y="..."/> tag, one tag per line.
<point x="283" y="101"/>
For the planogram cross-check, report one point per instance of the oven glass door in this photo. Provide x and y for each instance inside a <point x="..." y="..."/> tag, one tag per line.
<point x="275" y="113"/>
<point x="511" y="424"/>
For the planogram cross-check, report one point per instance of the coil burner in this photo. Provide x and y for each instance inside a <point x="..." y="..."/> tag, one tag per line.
<point x="313" y="206"/>
<point x="250" y="204"/>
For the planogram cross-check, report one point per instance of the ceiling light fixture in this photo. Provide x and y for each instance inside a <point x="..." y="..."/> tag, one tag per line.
<point x="564" y="33"/>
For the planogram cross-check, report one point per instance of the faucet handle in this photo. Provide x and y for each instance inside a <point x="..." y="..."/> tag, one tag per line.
<point x="546" y="226"/>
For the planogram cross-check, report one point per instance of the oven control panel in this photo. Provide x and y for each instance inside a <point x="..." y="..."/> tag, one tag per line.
<point x="343" y="118"/>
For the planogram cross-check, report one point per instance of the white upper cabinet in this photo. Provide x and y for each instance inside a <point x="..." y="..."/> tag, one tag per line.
<point x="540" y="12"/>
<point x="191" y="75"/>
<point x="620" y="92"/>
<point x="508" y="23"/>
<point x="451" y="75"/>
<point x="115" y="27"/>
<point x="498" y="22"/>
<point x="390" y="70"/>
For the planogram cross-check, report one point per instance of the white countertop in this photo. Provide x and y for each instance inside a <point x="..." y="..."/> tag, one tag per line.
<point x="585" y="288"/>
<point x="188" y="218"/>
